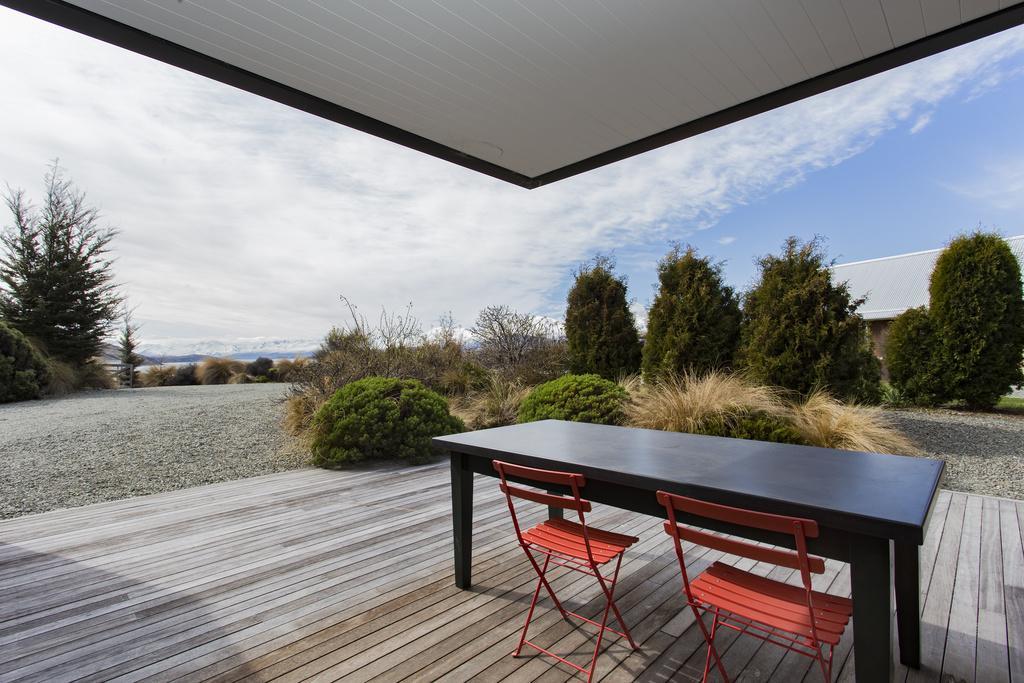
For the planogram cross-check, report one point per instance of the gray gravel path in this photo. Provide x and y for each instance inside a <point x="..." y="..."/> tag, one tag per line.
<point x="984" y="452"/>
<point x="108" y="445"/>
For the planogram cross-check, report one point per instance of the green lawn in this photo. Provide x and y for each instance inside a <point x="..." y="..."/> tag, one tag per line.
<point x="1011" y="405"/>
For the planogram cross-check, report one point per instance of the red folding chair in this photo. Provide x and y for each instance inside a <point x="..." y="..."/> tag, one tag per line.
<point x="799" y="619"/>
<point x="564" y="543"/>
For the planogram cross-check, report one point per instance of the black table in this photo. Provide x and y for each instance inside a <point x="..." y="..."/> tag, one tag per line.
<point x="863" y="503"/>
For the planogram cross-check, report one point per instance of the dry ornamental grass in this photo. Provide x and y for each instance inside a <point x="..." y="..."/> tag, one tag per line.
<point x="824" y="421"/>
<point x="693" y="403"/>
<point x="688" y="403"/>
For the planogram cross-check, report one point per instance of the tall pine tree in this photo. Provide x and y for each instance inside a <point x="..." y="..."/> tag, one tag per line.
<point x="694" y="322"/>
<point x="56" y="279"/>
<point x="126" y="350"/>
<point x="599" y="327"/>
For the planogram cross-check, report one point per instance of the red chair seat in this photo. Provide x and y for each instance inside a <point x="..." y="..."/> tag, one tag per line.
<point x="772" y="603"/>
<point x="566" y="538"/>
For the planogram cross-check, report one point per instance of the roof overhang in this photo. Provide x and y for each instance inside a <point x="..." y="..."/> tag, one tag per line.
<point x="534" y="92"/>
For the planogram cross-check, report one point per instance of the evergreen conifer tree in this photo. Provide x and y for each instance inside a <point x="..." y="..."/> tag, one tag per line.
<point x="801" y="330"/>
<point x="56" y="281"/>
<point x="977" y="309"/>
<point x="694" y="322"/>
<point x="599" y="327"/>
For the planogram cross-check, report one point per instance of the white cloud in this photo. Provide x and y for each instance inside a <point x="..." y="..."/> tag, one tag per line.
<point x="998" y="184"/>
<point x="922" y="121"/>
<point x="242" y="218"/>
<point x="725" y="240"/>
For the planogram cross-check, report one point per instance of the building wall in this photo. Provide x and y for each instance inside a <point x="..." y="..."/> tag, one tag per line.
<point x="879" y="330"/>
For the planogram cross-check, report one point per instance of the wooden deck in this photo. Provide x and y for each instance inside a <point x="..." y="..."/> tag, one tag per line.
<point x="314" y="575"/>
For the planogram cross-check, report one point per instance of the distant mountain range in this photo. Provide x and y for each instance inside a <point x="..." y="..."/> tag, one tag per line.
<point x="194" y="350"/>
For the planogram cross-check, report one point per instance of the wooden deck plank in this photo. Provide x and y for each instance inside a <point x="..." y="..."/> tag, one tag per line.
<point x="1011" y="524"/>
<point x="992" y="663"/>
<point x="298" y="576"/>
<point x="959" y="656"/>
<point x="938" y="599"/>
<point x="178" y="575"/>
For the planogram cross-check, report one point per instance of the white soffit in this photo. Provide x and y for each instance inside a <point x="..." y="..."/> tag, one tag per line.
<point x="536" y="88"/>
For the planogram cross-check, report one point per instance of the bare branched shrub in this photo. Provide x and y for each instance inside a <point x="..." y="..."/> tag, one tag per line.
<point x="288" y="370"/>
<point x="824" y="421"/>
<point x="520" y="345"/>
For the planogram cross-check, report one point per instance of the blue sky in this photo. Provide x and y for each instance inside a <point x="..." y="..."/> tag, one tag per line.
<point x="240" y="218"/>
<point x="948" y="169"/>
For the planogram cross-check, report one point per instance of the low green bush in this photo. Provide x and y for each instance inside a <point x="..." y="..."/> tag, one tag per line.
<point x="23" y="370"/>
<point x="579" y="398"/>
<point x="260" y="367"/>
<point x="754" y="426"/>
<point x="380" y="418"/>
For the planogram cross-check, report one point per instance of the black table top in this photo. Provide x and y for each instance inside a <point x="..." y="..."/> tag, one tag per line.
<point x="860" y="492"/>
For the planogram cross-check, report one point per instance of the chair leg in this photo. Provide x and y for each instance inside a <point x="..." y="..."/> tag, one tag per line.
<point x="710" y="641"/>
<point x="543" y="580"/>
<point x="533" y="603"/>
<point x="610" y="594"/>
<point x="707" y="655"/>
<point x="826" y="668"/>
<point x="600" y="633"/>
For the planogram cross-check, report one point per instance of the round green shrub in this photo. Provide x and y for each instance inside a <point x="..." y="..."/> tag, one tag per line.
<point x="912" y="356"/>
<point x="578" y="398"/>
<point x="380" y="418"/>
<point x="23" y="370"/>
<point x="976" y="305"/>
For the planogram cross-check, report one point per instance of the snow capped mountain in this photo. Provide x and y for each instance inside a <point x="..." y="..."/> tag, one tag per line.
<point x="236" y="348"/>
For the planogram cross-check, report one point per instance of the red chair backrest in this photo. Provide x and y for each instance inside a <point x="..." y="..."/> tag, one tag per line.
<point x="539" y="477"/>
<point x="799" y="528"/>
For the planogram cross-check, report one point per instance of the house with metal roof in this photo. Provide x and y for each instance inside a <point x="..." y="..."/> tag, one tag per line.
<point x="891" y="285"/>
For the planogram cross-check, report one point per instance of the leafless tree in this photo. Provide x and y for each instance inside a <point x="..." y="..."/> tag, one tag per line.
<point x="509" y="339"/>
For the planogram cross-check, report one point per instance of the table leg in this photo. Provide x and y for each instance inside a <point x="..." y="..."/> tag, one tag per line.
<point x="908" y="602"/>
<point x="555" y="512"/>
<point x="462" y="519"/>
<point x="872" y="608"/>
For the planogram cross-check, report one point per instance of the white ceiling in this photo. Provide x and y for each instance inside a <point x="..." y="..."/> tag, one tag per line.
<point x="535" y="85"/>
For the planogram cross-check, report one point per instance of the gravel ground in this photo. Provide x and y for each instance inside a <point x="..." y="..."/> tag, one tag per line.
<point x="984" y="452"/>
<point x="107" y="445"/>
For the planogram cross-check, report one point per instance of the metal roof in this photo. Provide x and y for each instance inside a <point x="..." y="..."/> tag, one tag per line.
<point x="534" y="91"/>
<point x="893" y="284"/>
